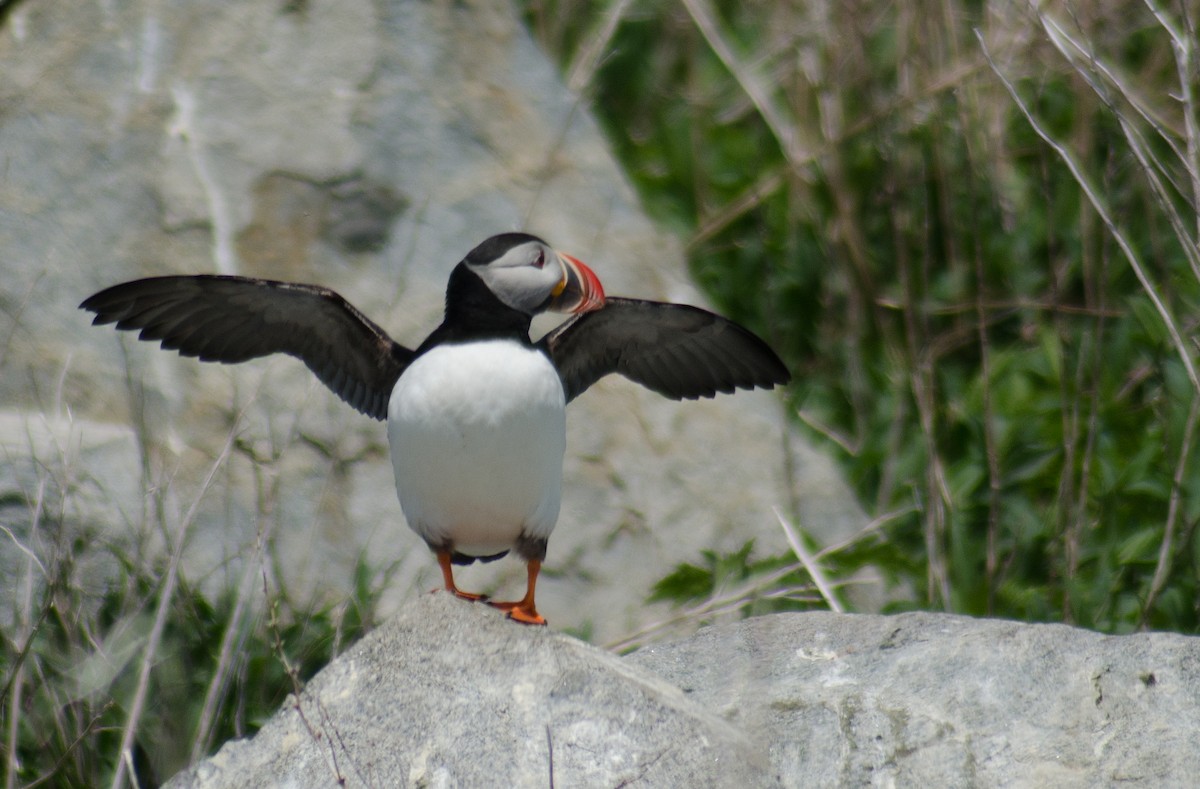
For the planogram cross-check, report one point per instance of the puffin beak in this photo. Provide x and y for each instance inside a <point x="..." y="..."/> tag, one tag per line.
<point x="580" y="289"/>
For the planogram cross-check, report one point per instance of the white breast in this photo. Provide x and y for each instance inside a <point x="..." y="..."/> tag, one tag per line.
<point x="477" y="433"/>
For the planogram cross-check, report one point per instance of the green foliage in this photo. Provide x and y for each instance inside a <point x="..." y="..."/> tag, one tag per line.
<point x="691" y="584"/>
<point x="967" y="334"/>
<point x="766" y="585"/>
<point x="74" y="691"/>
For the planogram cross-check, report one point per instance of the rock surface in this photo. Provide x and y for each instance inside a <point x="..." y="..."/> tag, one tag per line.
<point x="936" y="700"/>
<point x="451" y="694"/>
<point x="366" y="145"/>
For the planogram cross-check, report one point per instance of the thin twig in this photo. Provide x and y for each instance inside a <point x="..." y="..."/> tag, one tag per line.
<point x="25" y="550"/>
<point x="1184" y="46"/>
<point x="1173" y="508"/>
<point x="843" y="441"/>
<point x="16" y="683"/>
<point x="234" y="632"/>
<point x="785" y="133"/>
<point x="66" y="754"/>
<point x="328" y="725"/>
<point x="732" y="600"/>
<point x="750" y="198"/>
<point x="1139" y="104"/>
<point x="588" y="56"/>
<point x="166" y="594"/>
<point x="127" y="763"/>
<point x="1098" y="205"/>
<point x="875" y="526"/>
<point x="1137" y="144"/>
<point x="810" y="564"/>
<point x="1007" y="308"/>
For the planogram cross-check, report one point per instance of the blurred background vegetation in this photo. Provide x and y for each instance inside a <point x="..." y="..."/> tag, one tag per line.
<point x="971" y="230"/>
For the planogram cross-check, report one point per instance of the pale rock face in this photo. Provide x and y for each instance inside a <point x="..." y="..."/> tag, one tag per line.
<point x="367" y="146"/>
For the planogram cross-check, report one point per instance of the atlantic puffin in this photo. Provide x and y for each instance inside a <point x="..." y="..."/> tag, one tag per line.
<point x="475" y="414"/>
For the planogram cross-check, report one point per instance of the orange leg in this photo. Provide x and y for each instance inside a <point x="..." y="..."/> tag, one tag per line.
<point x="524" y="610"/>
<point x="443" y="558"/>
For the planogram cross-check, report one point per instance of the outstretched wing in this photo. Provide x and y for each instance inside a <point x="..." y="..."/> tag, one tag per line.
<point x="232" y="319"/>
<point x="674" y="349"/>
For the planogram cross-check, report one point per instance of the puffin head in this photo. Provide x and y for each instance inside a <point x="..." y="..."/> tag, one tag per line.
<point x="525" y="273"/>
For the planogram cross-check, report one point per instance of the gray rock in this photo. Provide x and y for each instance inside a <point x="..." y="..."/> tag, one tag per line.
<point x="936" y="700"/>
<point x="450" y="694"/>
<point x="366" y="145"/>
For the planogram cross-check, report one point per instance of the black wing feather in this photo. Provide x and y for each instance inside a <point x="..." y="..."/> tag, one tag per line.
<point x="233" y="319"/>
<point x="679" y="351"/>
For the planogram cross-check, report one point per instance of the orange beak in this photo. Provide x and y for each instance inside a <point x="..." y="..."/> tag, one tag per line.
<point x="580" y="289"/>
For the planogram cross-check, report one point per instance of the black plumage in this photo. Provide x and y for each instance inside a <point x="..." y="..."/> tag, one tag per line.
<point x="679" y="351"/>
<point x="234" y="319"/>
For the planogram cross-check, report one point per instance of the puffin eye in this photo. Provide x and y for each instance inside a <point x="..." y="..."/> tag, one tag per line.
<point x="540" y="260"/>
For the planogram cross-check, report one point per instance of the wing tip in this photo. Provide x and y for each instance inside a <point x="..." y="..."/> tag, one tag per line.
<point x="102" y="315"/>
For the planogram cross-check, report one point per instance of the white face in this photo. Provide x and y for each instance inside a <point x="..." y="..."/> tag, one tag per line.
<point x="525" y="277"/>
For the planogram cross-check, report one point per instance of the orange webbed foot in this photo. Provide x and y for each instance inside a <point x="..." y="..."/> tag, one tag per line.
<point x="527" y="617"/>
<point x="524" y="610"/>
<point x="461" y="595"/>
<point x="520" y="611"/>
